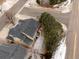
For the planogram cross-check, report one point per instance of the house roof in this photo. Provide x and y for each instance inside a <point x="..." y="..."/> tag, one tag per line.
<point x="27" y="26"/>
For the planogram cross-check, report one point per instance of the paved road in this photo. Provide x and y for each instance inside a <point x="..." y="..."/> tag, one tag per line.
<point x="73" y="34"/>
<point x="64" y="18"/>
<point x="12" y="11"/>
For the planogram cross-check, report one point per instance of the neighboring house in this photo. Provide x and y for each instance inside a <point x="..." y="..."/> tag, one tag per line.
<point x="27" y="26"/>
<point x="12" y="52"/>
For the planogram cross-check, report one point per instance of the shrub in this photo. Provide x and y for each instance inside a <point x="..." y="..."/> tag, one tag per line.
<point x="52" y="33"/>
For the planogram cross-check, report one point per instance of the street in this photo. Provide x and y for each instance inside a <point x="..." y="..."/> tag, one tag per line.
<point x="73" y="33"/>
<point x="62" y="17"/>
<point x="13" y="10"/>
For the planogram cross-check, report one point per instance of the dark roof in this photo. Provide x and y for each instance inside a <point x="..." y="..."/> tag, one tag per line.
<point x="27" y="26"/>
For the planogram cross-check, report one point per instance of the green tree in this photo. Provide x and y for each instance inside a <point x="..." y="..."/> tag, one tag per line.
<point x="52" y="33"/>
<point x="38" y="1"/>
<point x="51" y="2"/>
